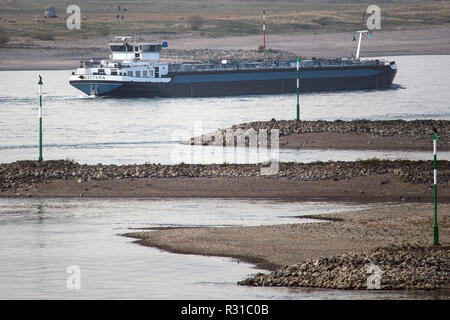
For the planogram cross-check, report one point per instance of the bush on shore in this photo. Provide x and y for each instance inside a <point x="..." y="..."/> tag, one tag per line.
<point x="195" y="22"/>
<point x="4" y="37"/>
<point x="44" y="36"/>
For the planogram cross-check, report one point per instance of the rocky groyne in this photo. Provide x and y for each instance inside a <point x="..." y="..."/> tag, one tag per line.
<point x="415" y="129"/>
<point x="406" y="267"/>
<point x="22" y="174"/>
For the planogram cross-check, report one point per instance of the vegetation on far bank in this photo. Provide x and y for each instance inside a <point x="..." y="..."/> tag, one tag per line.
<point x="4" y="37"/>
<point x="25" y="18"/>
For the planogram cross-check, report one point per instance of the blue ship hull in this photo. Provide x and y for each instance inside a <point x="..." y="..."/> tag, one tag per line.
<point x="248" y="82"/>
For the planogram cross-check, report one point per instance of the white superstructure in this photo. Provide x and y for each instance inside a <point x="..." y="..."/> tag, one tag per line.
<point x="130" y="61"/>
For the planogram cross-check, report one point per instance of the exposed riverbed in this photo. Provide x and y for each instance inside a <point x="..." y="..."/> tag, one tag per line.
<point x="40" y="238"/>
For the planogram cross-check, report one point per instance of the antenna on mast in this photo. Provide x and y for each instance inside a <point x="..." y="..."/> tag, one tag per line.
<point x="264" y="29"/>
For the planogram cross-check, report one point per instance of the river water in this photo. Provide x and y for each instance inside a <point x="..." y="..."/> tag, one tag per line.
<point x="102" y="130"/>
<point x="41" y="238"/>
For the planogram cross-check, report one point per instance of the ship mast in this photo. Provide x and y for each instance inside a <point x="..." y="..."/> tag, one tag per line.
<point x="360" y="35"/>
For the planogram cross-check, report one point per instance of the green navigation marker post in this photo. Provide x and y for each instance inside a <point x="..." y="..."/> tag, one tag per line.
<point x="40" y="117"/>
<point x="436" y="229"/>
<point x="298" y="89"/>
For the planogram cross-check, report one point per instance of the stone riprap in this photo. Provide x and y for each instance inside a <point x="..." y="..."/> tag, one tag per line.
<point x="406" y="267"/>
<point x="25" y="173"/>
<point x="415" y="129"/>
<point x="207" y="55"/>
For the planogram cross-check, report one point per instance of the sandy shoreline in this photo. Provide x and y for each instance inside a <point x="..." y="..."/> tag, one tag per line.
<point x="65" y="55"/>
<point x="375" y="188"/>
<point x="365" y="181"/>
<point x="272" y="247"/>
<point x="351" y="141"/>
<point x="339" y="253"/>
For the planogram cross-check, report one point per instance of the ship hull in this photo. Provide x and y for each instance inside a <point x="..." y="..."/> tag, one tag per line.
<point x="249" y="82"/>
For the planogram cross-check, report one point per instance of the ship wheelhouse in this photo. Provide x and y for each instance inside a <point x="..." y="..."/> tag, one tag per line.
<point x="124" y="48"/>
<point x="129" y="61"/>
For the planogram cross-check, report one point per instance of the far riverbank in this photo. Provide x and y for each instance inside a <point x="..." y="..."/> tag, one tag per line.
<point x="66" y="54"/>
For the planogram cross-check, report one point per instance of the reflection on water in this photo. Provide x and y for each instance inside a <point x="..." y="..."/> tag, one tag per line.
<point x="41" y="238"/>
<point x="175" y="153"/>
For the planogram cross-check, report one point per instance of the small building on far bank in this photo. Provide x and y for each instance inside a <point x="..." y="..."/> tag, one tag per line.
<point x="50" y="12"/>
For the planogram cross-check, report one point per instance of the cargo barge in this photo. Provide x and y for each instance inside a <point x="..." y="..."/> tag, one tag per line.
<point x="135" y="70"/>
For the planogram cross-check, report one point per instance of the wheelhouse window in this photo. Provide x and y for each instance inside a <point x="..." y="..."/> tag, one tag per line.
<point x="121" y="47"/>
<point x="151" y="48"/>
